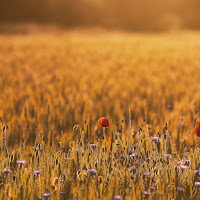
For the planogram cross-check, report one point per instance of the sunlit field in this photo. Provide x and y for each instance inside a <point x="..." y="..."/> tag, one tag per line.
<point x="56" y="85"/>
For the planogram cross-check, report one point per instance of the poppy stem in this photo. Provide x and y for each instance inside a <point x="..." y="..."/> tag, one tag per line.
<point x="103" y="145"/>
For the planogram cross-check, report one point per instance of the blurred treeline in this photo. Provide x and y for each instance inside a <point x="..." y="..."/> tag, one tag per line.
<point x="125" y="14"/>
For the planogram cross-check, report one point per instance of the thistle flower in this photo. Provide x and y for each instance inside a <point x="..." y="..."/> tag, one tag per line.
<point x="104" y="122"/>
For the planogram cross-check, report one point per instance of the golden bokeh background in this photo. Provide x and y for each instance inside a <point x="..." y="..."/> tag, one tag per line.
<point x="128" y="14"/>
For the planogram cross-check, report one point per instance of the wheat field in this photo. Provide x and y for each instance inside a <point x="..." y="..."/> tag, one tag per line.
<point x="56" y="85"/>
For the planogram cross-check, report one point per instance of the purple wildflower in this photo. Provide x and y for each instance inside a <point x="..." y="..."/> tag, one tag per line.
<point x="168" y="156"/>
<point x="179" y="124"/>
<point x="84" y="90"/>
<point x="37" y="172"/>
<point x="155" y="139"/>
<point x="180" y="189"/>
<point x="21" y="162"/>
<point x="182" y="162"/>
<point x="6" y="171"/>
<point x="117" y="197"/>
<point x="46" y="195"/>
<point x="183" y="167"/>
<point x="91" y="171"/>
<point x="147" y="174"/>
<point x="94" y="146"/>
<point x="168" y="106"/>
<point x="197" y="184"/>
<point x="132" y="169"/>
<point x="137" y="164"/>
<point x="197" y="171"/>
<point x="187" y="161"/>
<point x="62" y="192"/>
<point x="147" y="193"/>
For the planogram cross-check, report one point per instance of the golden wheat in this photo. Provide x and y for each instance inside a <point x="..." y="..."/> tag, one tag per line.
<point x="55" y="87"/>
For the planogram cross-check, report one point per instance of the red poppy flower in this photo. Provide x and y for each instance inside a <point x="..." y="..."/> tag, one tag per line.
<point x="104" y="122"/>
<point x="197" y="129"/>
